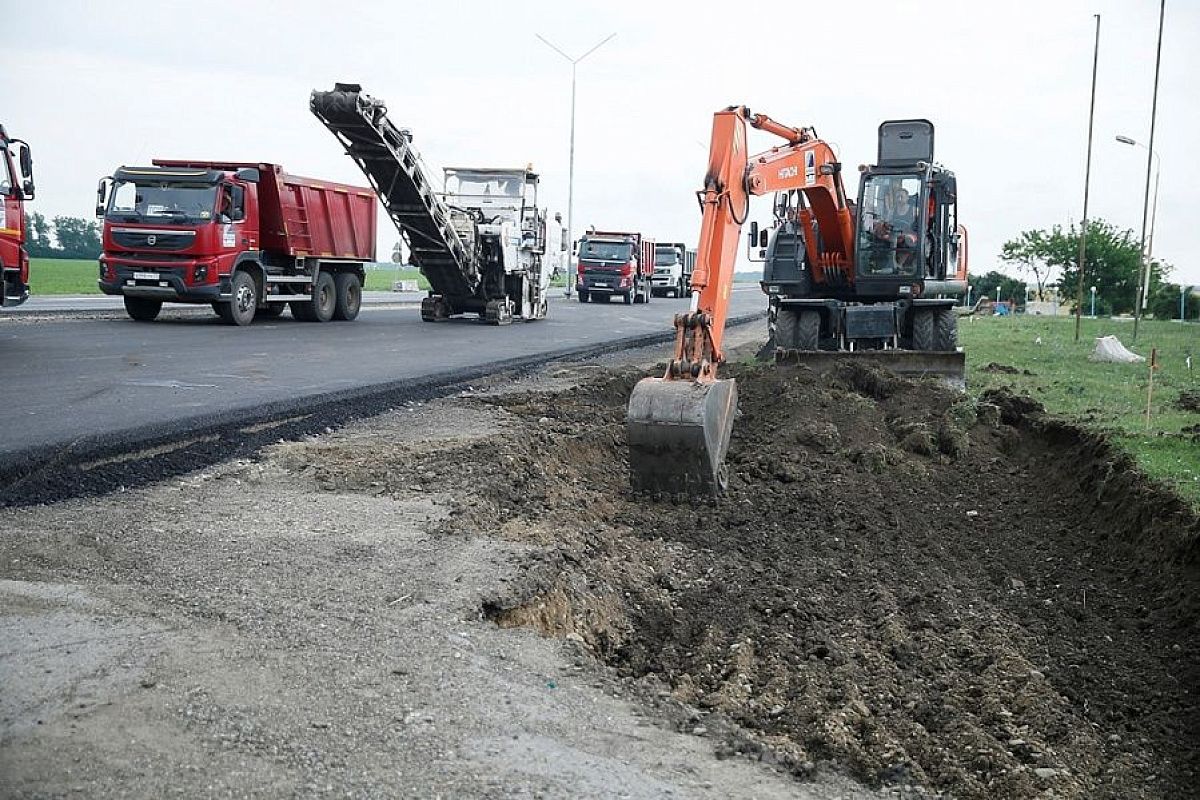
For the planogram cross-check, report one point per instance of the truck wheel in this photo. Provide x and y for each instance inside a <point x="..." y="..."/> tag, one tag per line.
<point x="945" y="330"/>
<point x="923" y="328"/>
<point x="808" y="330"/>
<point x="583" y="297"/>
<point x="318" y="308"/>
<point x="143" y="309"/>
<point x="240" y="308"/>
<point x="270" y="311"/>
<point x="628" y="297"/>
<point x="349" y="296"/>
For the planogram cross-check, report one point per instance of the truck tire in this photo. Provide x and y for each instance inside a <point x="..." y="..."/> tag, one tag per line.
<point x="945" y="330"/>
<point x="583" y="297"/>
<point x="628" y="297"/>
<point x="349" y="296"/>
<point x="243" y="300"/>
<point x="142" y="309"/>
<point x="923" y="330"/>
<point x="269" y="311"/>
<point x="319" y="307"/>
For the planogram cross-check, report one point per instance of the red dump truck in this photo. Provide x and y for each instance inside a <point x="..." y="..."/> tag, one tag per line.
<point x="15" y="189"/>
<point x="247" y="238"/>
<point x="614" y="263"/>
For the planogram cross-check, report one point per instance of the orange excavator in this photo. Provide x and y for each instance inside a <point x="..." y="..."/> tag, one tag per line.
<point x="878" y="278"/>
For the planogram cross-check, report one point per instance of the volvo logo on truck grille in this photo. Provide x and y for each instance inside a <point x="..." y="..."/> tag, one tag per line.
<point x="160" y="239"/>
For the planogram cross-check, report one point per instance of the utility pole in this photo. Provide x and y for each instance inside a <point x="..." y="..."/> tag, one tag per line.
<point x="571" y="168"/>
<point x="1144" y="284"/>
<point x="1087" y="178"/>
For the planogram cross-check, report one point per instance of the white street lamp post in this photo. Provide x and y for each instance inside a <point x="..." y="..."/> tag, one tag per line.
<point x="1149" y="249"/>
<point x="1093" y="302"/>
<point x="571" y="168"/>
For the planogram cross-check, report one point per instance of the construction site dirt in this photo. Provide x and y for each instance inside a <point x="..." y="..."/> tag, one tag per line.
<point x="905" y="591"/>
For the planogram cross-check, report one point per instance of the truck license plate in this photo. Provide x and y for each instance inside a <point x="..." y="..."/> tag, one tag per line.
<point x="600" y="285"/>
<point x="145" y="276"/>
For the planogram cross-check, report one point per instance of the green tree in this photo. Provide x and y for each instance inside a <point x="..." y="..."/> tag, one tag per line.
<point x="1164" y="302"/>
<point x="1027" y="253"/>
<point x="37" y="241"/>
<point x="77" y="237"/>
<point x="1112" y="266"/>
<point x="1010" y="288"/>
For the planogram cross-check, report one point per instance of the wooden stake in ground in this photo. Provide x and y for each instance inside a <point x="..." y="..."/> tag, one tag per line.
<point x="1150" y="385"/>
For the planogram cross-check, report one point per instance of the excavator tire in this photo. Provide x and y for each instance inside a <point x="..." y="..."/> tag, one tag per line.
<point x="945" y="330"/>
<point x="786" y="325"/>
<point x="808" y="330"/>
<point x="923" y="330"/>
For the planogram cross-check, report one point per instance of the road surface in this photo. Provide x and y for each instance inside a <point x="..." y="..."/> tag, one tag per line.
<point x="72" y="379"/>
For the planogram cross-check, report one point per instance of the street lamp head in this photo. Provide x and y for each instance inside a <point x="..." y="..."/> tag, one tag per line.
<point x="1126" y="140"/>
<point x="1093" y="290"/>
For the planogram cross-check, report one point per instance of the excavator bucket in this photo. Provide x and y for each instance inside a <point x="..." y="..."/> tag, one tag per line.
<point x="678" y="432"/>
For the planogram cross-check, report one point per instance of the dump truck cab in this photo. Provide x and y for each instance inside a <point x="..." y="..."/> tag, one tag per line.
<point x="173" y="233"/>
<point x="16" y="186"/>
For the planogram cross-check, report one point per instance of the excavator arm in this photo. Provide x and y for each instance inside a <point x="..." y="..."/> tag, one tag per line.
<point x="679" y="425"/>
<point x="805" y="163"/>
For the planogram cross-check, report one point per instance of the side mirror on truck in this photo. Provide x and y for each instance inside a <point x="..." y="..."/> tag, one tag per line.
<point x="753" y="234"/>
<point x="102" y="195"/>
<point x="248" y="174"/>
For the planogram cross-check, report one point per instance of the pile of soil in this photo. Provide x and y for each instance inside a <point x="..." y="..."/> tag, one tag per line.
<point x="963" y="596"/>
<point x="1188" y="401"/>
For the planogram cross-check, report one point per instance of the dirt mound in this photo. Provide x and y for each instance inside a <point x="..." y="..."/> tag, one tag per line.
<point x="1188" y="401"/>
<point x="964" y="596"/>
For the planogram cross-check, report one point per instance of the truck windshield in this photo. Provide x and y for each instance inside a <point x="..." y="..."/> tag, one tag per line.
<point x="605" y="251"/>
<point x="665" y="258"/>
<point x="162" y="201"/>
<point x="889" y="227"/>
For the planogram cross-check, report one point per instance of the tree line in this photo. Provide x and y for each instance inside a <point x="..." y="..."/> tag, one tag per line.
<point x="76" y="237"/>
<point x="1112" y="263"/>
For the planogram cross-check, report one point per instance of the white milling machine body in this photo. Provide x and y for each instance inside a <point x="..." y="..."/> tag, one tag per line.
<point x="516" y="242"/>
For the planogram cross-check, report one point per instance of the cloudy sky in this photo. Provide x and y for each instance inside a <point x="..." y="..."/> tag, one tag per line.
<point x="93" y="86"/>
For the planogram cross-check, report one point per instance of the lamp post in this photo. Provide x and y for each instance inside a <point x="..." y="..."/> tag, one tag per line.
<point x="1182" y="307"/>
<point x="571" y="168"/>
<point x="969" y="287"/>
<point x="1144" y="289"/>
<point x="1148" y="241"/>
<point x="1093" y="302"/>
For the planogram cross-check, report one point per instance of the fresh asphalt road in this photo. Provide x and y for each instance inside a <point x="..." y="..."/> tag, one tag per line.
<point x="75" y="378"/>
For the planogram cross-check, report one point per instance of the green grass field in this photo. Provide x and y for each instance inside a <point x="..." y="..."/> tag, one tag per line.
<point x="1111" y="397"/>
<point x="63" y="276"/>
<point x="49" y="276"/>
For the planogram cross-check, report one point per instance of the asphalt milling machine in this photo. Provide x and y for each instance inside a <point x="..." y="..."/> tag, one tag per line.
<point x="483" y="244"/>
<point x="875" y="280"/>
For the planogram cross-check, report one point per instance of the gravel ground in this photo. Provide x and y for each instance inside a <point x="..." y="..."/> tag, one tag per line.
<point x="244" y="631"/>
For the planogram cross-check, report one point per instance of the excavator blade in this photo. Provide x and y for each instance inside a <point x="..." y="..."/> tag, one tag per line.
<point x="948" y="366"/>
<point x="678" y="432"/>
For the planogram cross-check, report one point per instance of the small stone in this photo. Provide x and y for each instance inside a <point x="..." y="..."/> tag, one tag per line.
<point x="1033" y="673"/>
<point x="699" y="730"/>
<point x="575" y="637"/>
<point x="1045" y="772"/>
<point x="972" y="513"/>
<point x="776" y="711"/>
<point x="1114" y="738"/>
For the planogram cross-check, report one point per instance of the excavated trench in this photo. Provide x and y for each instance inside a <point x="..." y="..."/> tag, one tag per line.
<point x="967" y="597"/>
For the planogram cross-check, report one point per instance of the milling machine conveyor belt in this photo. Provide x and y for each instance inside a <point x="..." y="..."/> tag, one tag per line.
<point x="386" y="157"/>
